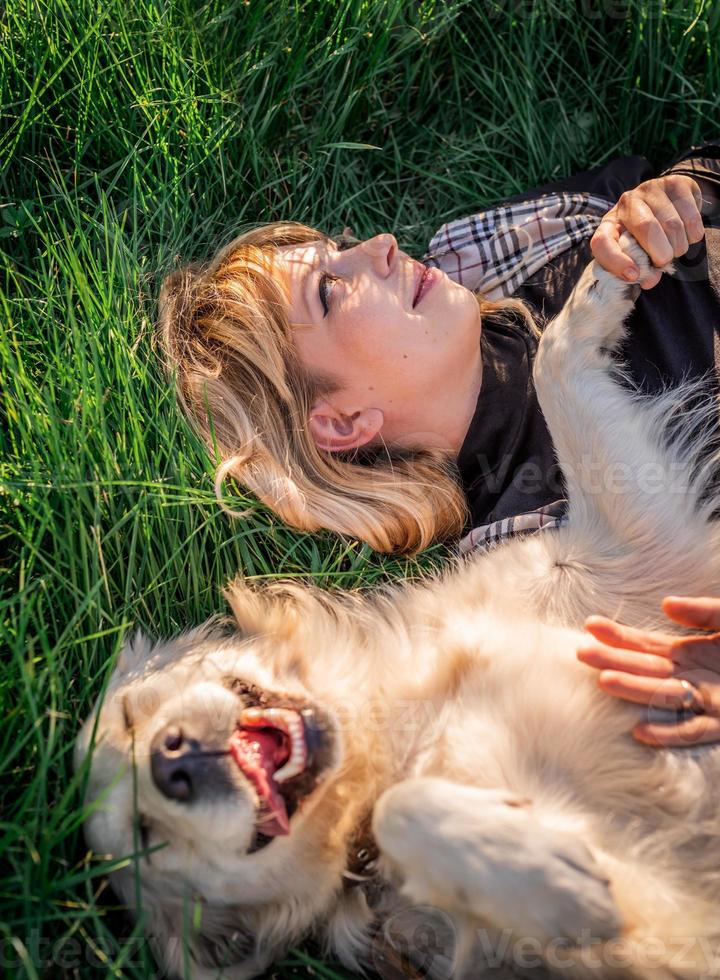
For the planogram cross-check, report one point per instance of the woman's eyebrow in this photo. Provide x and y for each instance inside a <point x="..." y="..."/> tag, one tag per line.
<point x="295" y="284"/>
<point x="306" y="287"/>
<point x="307" y="283"/>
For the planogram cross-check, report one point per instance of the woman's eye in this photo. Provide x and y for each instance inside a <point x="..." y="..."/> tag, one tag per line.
<point x="325" y="290"/>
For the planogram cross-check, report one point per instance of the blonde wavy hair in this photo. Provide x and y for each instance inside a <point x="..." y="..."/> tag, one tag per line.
<point x="228" y="342"/>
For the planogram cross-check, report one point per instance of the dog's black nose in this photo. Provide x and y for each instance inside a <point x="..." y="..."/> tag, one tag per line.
<point x="190" y="761"/>
<point x="174" y="760"/>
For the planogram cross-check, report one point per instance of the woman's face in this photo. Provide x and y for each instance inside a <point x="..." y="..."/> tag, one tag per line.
<point x="400" y="341"/>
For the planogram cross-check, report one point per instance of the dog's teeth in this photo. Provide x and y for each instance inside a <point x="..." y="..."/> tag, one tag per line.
<point x="252" y="714"/>
<point x="298" y="752"/>
<point x="289" y="722"/>
<point x="280" y="718"/>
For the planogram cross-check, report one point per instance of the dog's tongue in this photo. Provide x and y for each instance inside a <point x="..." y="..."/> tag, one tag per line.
<point x="259" y="753"/>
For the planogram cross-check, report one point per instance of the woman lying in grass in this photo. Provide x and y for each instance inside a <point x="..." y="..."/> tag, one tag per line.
<point x="351" y="387"/>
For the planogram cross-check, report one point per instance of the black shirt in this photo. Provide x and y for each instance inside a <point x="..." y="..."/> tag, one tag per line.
<point x="506" y="462"/>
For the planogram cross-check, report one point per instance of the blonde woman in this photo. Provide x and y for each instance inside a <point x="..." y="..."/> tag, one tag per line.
<point x="351" y="387"/>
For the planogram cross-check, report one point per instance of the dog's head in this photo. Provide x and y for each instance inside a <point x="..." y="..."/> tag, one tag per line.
<point x="218" y="770"/>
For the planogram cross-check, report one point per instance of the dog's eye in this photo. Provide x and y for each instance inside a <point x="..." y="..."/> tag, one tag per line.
<point x="248" y="692"/>
<point x="127" y="715"/>
<point x="143" y="829"/>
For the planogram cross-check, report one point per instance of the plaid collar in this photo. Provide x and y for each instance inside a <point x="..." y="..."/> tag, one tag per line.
<point x="495" y="251"/>
<point x="486" y="536"/>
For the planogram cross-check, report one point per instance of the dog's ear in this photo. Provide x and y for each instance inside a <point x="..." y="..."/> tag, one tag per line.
<point x="135" y="652"/>
<point x="278" y="610"/>
<point x="214" y="939"/>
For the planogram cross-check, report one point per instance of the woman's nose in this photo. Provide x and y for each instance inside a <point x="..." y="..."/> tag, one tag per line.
<point x="382" y="251"/>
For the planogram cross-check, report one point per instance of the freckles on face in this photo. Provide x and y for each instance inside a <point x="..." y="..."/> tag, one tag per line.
<point x="357" y="320"/>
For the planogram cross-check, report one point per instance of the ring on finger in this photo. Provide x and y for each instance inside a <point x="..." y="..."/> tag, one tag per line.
<point x="692" y="699"/>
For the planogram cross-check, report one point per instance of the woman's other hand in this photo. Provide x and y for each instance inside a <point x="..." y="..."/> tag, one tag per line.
<point x="663" y="670"/>
<point x="663" y="214"/>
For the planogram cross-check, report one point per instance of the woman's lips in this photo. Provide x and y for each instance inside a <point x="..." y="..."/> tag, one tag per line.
<point x="425" y="281"/>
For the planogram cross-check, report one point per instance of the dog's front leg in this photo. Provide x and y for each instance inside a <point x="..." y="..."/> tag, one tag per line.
<point x="617" y="470"/>
<point x="485" y="855"/>
<point x="638" y="471"/>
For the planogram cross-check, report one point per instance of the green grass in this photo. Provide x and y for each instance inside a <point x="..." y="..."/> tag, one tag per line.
<point x="135" y="131"/>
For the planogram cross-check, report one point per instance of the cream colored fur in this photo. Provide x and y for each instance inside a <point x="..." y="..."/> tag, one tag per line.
<point x="513" y="811"/>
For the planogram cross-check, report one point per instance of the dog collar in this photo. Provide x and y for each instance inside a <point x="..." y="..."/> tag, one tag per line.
<point x="362" y="855"/>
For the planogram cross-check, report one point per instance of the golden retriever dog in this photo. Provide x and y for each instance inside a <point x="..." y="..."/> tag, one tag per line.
<point x="426" y="781"/>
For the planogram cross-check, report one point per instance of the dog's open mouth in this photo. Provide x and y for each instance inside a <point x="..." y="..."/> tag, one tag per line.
<point x="282" y="752"/>
<point x="269" y="748"/>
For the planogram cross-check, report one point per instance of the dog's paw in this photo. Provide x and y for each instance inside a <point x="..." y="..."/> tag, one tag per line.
<point x="606" y="286"/>
<point x="637" y="253"/>
<point x="566" y="893"/>
<point x="486" y="854"/>
<point x="594" y="316"/>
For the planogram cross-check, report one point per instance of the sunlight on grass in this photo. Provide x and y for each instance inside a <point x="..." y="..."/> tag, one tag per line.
<point x="137" y="133"/>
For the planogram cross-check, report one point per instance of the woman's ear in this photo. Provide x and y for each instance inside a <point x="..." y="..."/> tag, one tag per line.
<point x="335" y="431"/>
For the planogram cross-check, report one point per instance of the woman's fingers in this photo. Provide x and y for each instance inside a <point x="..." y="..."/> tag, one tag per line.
<point x="662" y="670"/>
<point x="656" y="225"/>
<point x="604" y="657"/>
<point x="694" y="730"/>
<point x="669" y="693"/>
<point x="698" y="653"/>
<point x="702" y="613"/>
<point x="652" y="653"/>
<point x="605" y="247"/>
<point x="663" y="214"/>
<point x="687" y="199"/>
<point x="615" y="634"/>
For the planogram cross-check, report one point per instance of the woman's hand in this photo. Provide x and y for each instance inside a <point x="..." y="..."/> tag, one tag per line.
<point x="663" y="670"/>
<point x="663" y="214"/>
